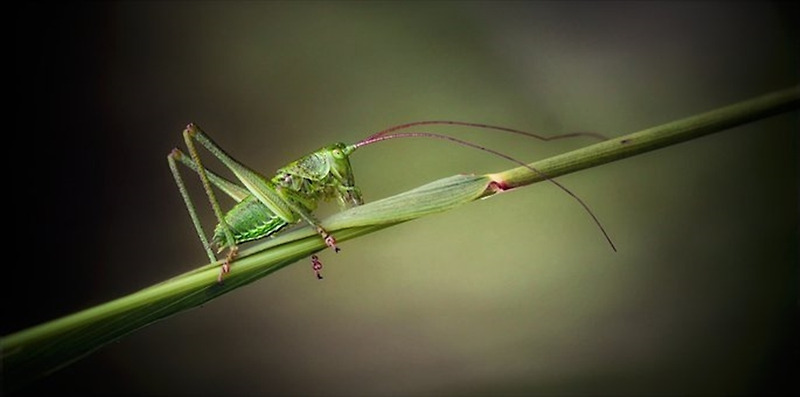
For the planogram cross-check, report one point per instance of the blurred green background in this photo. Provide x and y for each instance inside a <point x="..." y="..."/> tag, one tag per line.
<point x="519" y="294"/>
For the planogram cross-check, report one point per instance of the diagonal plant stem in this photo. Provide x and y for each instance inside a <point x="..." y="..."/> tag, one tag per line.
<point x="37" y="351"/>
<point x="656" y="137"/>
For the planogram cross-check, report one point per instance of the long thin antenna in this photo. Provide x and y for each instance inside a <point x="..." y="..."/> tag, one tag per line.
<point x="387" y="134"/>
<point x="488" y="127"/>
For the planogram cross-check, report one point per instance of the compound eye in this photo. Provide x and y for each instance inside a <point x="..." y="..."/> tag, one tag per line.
<point x="338" y="153"/>
<point x="287" y="179"/>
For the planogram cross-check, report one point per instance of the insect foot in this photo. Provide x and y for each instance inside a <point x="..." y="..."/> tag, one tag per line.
<point x="317" y="266"/>
<point x="226" y="266"/>
<point x="329" y="240"/>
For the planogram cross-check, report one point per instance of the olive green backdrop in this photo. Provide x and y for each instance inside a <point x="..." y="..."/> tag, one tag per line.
<point x="519" y="294"/>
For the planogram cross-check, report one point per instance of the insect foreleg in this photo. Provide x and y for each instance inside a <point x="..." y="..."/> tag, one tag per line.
<point x="307" y="217"/>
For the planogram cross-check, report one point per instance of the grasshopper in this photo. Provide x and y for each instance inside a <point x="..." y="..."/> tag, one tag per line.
<point x="265" y="206"/>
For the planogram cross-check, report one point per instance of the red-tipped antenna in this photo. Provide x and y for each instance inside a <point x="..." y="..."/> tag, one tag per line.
<point x="388" y="134"/>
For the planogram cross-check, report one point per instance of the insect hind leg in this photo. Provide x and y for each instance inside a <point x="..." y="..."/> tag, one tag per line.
<point x="171" y="158"/>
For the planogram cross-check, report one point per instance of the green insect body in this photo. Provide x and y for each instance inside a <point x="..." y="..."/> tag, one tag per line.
<point x="266" y="206"/>
<point x="322" y="175"/>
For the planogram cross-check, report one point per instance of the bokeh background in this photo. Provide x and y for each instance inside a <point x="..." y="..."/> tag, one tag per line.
<point x="518" y="294"/>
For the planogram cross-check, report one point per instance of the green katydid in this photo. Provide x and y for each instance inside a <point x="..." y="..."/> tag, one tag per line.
<point x="266" y="206"/>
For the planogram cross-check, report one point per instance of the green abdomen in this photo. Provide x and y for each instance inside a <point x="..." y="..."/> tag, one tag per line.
<point x="249" y="220"/>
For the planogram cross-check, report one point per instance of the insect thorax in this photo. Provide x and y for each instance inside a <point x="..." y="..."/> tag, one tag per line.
<point x="322" y="175"/>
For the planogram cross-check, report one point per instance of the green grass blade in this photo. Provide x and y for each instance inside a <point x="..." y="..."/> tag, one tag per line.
<point x="37" y="351"/>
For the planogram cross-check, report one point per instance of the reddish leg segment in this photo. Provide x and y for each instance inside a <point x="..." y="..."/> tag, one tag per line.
<point x="317" y="266"/>
<point x="226" y="266"/>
